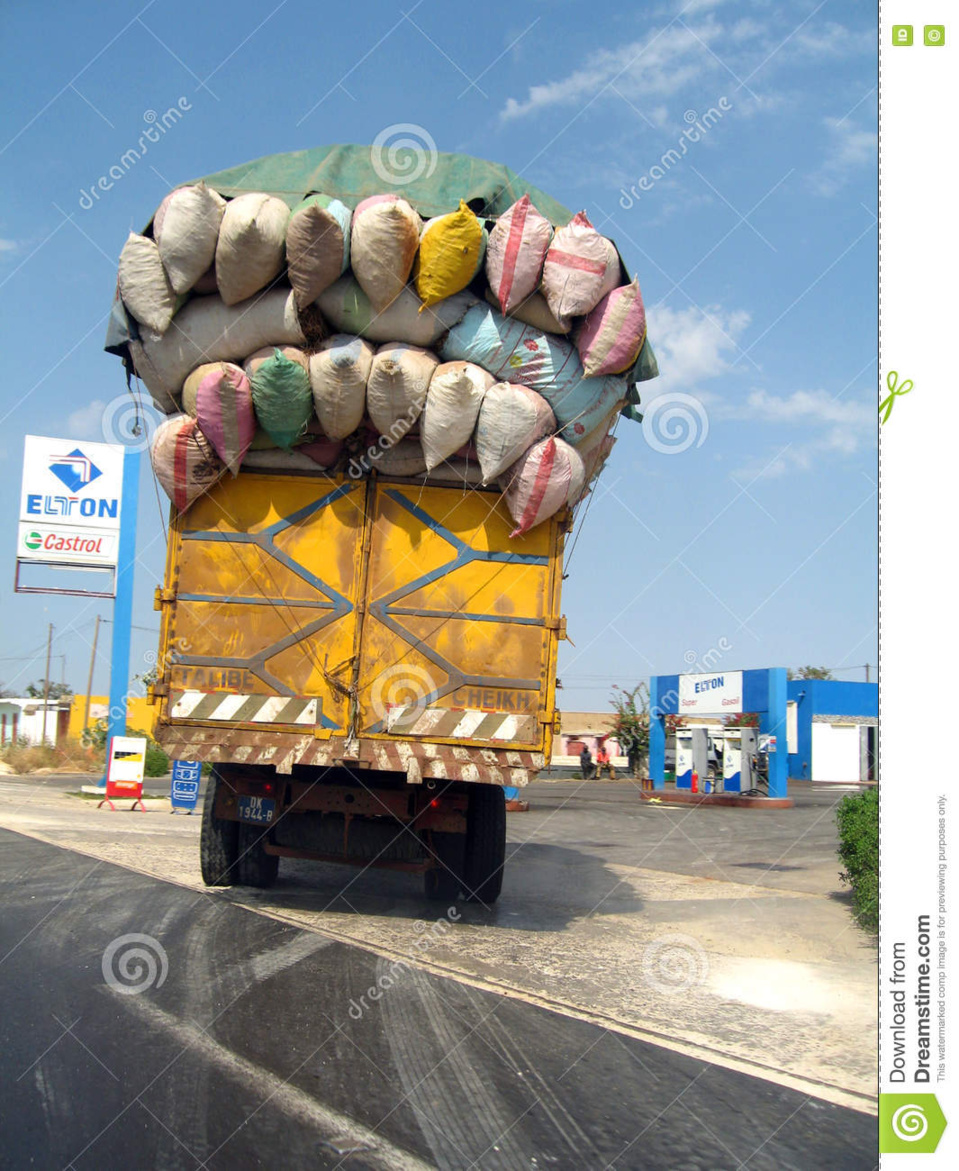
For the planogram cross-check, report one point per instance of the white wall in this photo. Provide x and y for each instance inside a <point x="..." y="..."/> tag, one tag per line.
<point x="792" y="727"/>
<point x="835" y="752"/>
<point x="30" y="720"/>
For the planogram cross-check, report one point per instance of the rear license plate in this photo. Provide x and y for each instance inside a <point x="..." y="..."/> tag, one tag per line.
<point x="259" y="810"/>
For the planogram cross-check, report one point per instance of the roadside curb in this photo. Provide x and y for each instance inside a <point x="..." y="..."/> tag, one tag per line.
<point x="684" y="797"/>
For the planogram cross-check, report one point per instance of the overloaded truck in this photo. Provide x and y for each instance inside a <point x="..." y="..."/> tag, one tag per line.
<point x="384" y="400"/>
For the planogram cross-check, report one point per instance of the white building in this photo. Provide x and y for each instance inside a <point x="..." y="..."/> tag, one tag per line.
<point x="23" y="718"/>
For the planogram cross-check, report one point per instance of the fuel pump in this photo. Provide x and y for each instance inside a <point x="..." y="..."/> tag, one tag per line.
<point x="733" y="760"/>
<point x="750" y="747"/>
<point x="701" y="755"/>
<point x="684" y="758"/>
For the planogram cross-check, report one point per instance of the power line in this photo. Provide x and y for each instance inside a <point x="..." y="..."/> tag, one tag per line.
<point x="148" y="629"/>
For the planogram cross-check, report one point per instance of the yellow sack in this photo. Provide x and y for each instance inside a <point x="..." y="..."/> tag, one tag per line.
<point x="452" y="249"/>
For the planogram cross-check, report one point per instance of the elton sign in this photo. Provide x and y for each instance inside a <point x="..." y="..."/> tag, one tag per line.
<point x="711" y="694"/>
<point x="70" y="503"/>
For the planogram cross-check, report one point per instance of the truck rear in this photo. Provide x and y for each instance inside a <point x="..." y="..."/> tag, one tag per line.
<point x="365" y="663"/>
<point x="365" y="649"/>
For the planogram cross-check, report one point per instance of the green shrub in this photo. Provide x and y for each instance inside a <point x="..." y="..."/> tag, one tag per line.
<point x="157" y="763"/>
<point x="858" y="821"/>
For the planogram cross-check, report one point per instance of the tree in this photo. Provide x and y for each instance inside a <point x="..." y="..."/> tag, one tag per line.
<point x="810" y="673"/>
<point x="631" y="722"/>
<point x="742" y="720"/>
<point x="54" y="690"/>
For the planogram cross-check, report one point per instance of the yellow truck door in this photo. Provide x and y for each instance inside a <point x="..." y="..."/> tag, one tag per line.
<point x="263" y="572"/>
<point x="459" y="630"/>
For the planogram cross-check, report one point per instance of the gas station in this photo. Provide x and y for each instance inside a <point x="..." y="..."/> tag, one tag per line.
<point x="820" y="730"/>
<point x="721" y="693"/>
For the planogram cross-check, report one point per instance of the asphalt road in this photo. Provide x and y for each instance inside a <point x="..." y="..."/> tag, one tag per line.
<point x="251" y="1045"/>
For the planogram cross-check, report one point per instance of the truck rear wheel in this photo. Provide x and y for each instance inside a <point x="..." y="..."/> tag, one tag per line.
<point x="444" y="882"/>
<point x="485" y="844"/>
<point x="254" y="866"/>
<point x="218" y="841"/>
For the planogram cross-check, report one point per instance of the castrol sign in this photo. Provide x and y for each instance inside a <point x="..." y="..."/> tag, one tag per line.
<point x="70" y="502"/>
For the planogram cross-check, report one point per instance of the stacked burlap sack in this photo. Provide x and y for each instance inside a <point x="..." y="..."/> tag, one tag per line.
<point x="319" y="339"/>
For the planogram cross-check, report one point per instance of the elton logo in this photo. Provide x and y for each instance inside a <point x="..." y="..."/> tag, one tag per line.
<point x="75" y="470"/>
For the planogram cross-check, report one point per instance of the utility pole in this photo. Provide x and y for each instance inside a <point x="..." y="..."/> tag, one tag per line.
<point x="46" y="682"/>
<point x="93" y="659"/>
<point x="867" y="672"/>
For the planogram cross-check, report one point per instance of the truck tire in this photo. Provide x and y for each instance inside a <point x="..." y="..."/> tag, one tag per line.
<point x="443" y="883"/>
<point x="254" y="866"/>
<point x="218" y="841"/>
<point x="485" y="844"/>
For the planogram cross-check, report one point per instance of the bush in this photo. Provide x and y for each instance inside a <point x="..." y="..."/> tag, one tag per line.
<point x="156" y="763"/>
<point x="858" y="821"/>
<point x="67" y="756"/>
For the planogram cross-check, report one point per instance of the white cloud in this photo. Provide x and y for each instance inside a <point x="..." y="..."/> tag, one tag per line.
<point x="693" y="345"/>
<point x="841" y="426"/>
<point x="835" y="40"/>
<point x="808" y="405"/>
<point x="693" y="47"/>
<point x="662" y="63"/>
<point x="850" y="148"/>
<point x="8" y="245"/>
<point x="87" y="421"/>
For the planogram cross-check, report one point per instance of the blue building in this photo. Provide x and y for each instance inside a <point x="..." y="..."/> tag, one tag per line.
<point x="831" y="730"/>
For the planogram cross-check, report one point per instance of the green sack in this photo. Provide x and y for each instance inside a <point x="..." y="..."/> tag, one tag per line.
<point x="282" y="399"/>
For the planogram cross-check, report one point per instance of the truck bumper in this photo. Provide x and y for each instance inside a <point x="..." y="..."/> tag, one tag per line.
<point x="419" y="761"/>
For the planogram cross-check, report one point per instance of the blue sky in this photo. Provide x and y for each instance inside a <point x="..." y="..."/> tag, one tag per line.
<point x="742" y="515"/>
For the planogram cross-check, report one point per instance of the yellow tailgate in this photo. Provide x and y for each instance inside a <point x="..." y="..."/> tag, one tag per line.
<point x="459" y="634"/>
<point x="364" y="609"/>
<point x="264" y="571"/>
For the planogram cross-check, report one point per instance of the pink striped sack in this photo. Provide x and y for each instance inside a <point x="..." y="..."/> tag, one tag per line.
<point x="547" y="478"/>
<point x="183" y="460"/>
<point x="612" y="335"/>
<point x="224" y="410"/>
<point x="581" y="268"/>
<point x="515" y="254"/>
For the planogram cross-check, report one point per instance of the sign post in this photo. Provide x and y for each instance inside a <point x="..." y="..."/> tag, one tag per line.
<point x="123" y="603"/>
<point x="126" y="758"/>
<point x="78" y="511"/>
<point x="185" y="785"/>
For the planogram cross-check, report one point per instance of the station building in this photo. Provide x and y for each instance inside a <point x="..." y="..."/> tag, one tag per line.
<point x="832" y="730"/>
